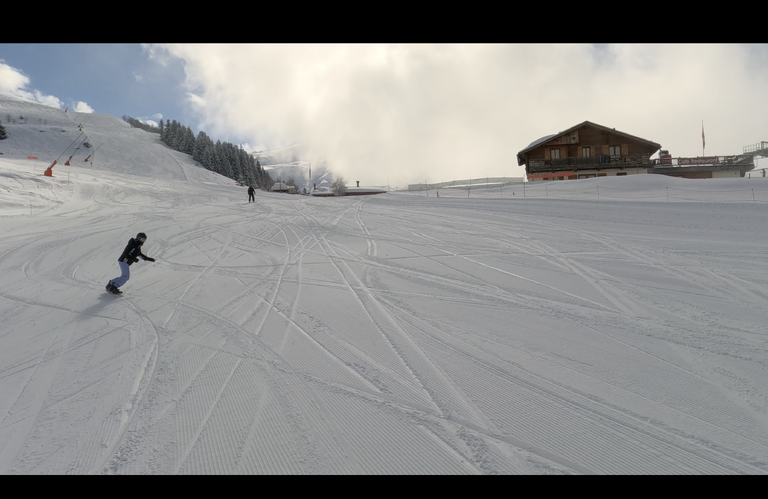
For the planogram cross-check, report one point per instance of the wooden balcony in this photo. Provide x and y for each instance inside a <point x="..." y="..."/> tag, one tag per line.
<point x="588" y="163"/>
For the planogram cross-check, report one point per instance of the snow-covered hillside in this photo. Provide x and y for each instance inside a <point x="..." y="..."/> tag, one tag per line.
<point x="554" y="333"/>
<point x="51" y="134"/>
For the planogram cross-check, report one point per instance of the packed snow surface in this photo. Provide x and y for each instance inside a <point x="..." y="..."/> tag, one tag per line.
<point x="489" y="332"/>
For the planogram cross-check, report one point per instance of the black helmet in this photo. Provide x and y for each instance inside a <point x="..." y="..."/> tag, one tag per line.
<point x="141" y="235"/>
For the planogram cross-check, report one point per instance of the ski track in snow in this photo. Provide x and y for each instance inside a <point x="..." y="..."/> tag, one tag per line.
<point x="392" y="334"/>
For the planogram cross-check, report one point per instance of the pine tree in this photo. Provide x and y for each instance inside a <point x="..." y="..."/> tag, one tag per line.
<point x="3" y="135"/>
<point x="234" y="162"/>
<point x="197" y="153"/>
<point x="208" y="157"/>
<point x="190" y="142"/>
<point x="218" y="162"/>
<point x="170" y="136"/>
<point x="162" y="129"/>
<point x="226" y="165"/>
<point x="181" y="145"/>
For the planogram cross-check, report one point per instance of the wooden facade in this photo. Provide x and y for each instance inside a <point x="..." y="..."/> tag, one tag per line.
<point x="586" y="150"/>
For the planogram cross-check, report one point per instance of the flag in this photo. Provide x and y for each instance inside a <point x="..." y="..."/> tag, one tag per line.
<point x="702" y="136"/>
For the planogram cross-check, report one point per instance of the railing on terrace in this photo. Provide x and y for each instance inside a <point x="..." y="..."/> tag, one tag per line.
<point x="761" y="146"/>
<point x="601" y="161"/>
<point x="631" y="161"/>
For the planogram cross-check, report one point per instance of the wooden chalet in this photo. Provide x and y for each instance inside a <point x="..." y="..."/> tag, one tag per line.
<point x="586" y="150"/>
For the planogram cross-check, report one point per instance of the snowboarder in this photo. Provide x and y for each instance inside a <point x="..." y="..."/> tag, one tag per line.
<point x="131" y="254"/>
<point x="250" y="194"/>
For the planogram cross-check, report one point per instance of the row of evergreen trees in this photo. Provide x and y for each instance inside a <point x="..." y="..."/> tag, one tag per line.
<point x="223" y="158"/>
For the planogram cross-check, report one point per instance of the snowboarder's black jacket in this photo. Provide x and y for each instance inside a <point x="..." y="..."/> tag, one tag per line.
<point x="132" y="252"/>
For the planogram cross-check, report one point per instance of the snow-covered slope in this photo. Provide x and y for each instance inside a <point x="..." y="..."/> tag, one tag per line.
<point x="557" y="333"/>
<point x="51" y="134"/>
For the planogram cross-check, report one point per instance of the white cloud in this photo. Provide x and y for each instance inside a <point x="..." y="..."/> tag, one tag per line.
<point x="48" y="100"/>
<point x="157" y="53"/>
<point x="153" y="120"/>
<point x="138" y="77"/>
<point x="195" y="100"/>
<point x="257" y="148"/>
<point x="11" y="79"/>
<point x="82" y="107"/>
<point x="14" y="82"/>
<point x="435" y="112"/>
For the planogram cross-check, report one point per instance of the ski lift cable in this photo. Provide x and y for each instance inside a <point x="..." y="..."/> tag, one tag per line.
<point x="70" y="145"/>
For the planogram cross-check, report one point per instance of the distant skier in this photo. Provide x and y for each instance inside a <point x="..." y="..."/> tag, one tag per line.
<point x="131" y="254"/>
<point x="251" y="192"/>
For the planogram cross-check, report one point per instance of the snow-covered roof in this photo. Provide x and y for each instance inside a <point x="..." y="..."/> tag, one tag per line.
<point x="539" y="141"/>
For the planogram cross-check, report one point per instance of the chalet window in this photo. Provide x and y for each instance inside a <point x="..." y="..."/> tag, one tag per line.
<point x="615" y="150"/>
<point x="585" y="152"/>
<point x="555" y="153"/>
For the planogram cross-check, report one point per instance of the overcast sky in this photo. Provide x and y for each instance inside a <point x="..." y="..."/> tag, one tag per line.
<point x="409" y="113"/>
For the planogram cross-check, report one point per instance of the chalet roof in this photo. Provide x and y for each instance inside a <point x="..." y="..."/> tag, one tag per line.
<point x="536" y="143"/>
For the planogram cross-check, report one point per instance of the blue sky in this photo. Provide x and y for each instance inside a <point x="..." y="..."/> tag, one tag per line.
<point x="406" y="113"/>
